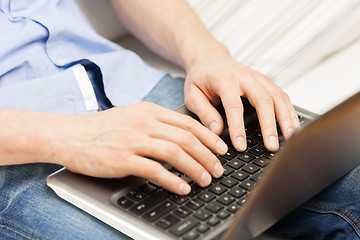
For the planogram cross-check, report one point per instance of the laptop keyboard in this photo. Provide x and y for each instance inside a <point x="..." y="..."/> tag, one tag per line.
<point x="194" y="215"/>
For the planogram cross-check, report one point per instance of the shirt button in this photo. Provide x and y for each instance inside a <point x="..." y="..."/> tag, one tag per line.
<point x="38" y="17"/>
<point x="60" y="61"/>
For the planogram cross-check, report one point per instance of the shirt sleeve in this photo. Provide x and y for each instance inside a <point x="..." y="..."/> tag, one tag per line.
<point x="65" y="93"/>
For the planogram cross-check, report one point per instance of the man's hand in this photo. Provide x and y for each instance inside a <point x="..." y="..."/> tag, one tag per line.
<point x="212" y="74"/>
<point x="124" y="141"/>
<point x="215" y="78"/>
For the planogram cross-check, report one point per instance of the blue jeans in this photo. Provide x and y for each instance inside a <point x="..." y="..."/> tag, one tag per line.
<point x="332" y="214"/>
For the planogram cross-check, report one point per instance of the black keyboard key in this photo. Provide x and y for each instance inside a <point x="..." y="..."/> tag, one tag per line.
<point x="136" y="195"/>
<point x="269" y="155"/>
<point x="175" y="171"/>
<point x="194" y="204"/>
<point x="251" y="168"/>
<point x="182" y="212"/>
<point x="202" y="228"/>
<point x="222" y="160"/>
<point x="237" y="192"/>
<point x="217" y="189"/>
<point x="213" y="221"/>
<point x="240" y="175"/>
<point x="223" y="215"/>
<point x="236" y="163"/>
<point x="251" y="142"/>
<point x="233" y="208"/>
<point x="184" y="226"/>
<point x="191" y="235"/>
<point x="124" y="202"/>
<point x="202" y="214"/>
<point x="167" y="221"/>
<point x="257" y="135"/>
<point x="226" y="199"/>
<point x="246" y="157"/>
<point x="247" y="184"/>
<point x="159" y="211"/>
<point x="194" y="191"/>
<point x="215" y="180"/>
<point x="257" y="150"/>
<point x="149" y="202"/>
<point x="147" y="188"/>
<point x="229" y="182"/>
<point x="256" y="177"/>
<point x="206" y="196"/>
<point x="214" y="207"/>
<point x="227" y="170"/>
<point x="230" y="154"/>
<point x="187" y="179"/>
<point x="251" y="127"/>
<point x="241" y="201"/>
<point x="154" y="184"/>
<point x="180" y="199"/>
<point x="262" y="162"/>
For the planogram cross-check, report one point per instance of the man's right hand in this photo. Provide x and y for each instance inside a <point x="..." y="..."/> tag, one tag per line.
<point x="124" y="141"/>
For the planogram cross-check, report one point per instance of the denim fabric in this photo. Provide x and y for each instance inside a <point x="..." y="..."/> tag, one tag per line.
<point x="31" y="210"/>
<point x="332" y="214"/>
<point x="168" y="93"/>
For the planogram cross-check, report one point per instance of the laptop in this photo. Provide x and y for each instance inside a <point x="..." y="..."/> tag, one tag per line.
<point x="257" y="190"/>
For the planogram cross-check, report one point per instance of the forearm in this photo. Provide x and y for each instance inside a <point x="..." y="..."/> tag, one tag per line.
<point x="26" y="136"/>
<point x="170" y="28"/>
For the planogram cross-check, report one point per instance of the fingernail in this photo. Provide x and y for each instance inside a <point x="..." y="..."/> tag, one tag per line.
<point x="240" y="141"/>
<point x="184" y="188"/>
<point x="205" y="178"/>
<point x="218" y="170"/>
<point x="274" y="144"/>
<point x="214" y="127"/>
<point x="221" y="146"/>
<point x="290" y="132"/>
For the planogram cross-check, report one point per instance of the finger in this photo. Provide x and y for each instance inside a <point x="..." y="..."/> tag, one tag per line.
<point x="294" y="115"/>
<point x="154" y="171"/>
<point x="284" y="110"/>
<point x="207" y="137"/>
<point x="199" y="104"/>
<point x="192" y="146"/>
<point x="263" y="103"/>
<point x="174" y="155"/>
<point x="283" y="113"/>
<point x="234" y="113"/>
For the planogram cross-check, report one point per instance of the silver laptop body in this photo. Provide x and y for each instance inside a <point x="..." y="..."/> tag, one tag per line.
<point x="296" y="173"/>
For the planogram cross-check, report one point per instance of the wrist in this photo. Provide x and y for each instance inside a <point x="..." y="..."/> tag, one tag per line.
<point x="203" y="52"/>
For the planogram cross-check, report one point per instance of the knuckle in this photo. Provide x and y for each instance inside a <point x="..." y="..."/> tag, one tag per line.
<point x="147" y="106"/>
<point x="280" y="96"/>
<point x="246" y="74"/>
<point x="151" y="170"/>
<point x="189" y="122"/>
<point x="189" y="100"/>
<point x="264" y="99"/>
<point x="237" y="104"/>
<point x="187" y="139"/>
<point x="172" y="151"/>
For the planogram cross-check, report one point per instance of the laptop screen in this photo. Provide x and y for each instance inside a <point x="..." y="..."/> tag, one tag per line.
<point x="315" y="157"/>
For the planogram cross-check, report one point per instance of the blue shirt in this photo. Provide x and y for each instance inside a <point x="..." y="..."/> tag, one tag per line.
<point x="40" y="43"/>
